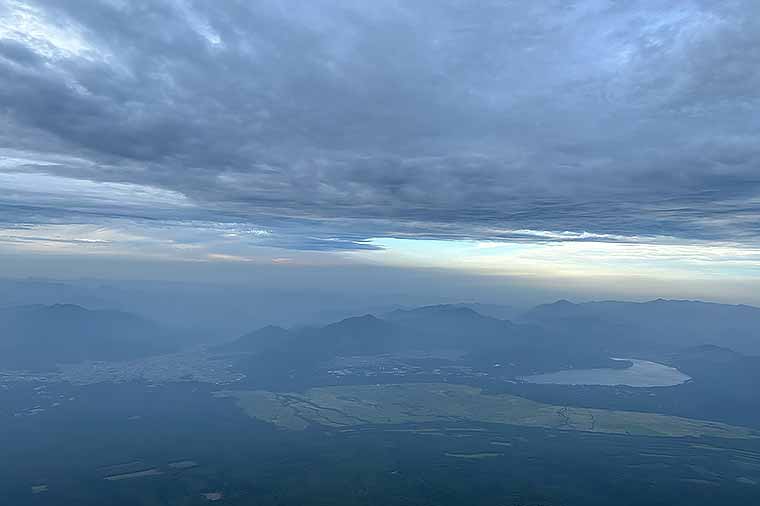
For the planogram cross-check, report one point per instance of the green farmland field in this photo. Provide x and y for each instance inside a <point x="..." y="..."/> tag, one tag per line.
<point x="346" y="406"/>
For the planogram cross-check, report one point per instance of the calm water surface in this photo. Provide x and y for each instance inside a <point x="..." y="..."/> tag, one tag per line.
<point x="641" y="374"/>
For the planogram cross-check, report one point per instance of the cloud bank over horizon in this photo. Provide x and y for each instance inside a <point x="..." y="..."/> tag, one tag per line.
<point x="585" y="138"/>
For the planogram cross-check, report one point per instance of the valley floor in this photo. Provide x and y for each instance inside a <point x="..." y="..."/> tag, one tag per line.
<point x="347" y="406"/>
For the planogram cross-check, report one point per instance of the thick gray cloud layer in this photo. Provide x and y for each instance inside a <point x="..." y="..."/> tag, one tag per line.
<point x="336" y="121"/>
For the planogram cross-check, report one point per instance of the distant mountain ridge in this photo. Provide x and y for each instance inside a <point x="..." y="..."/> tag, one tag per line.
<point x="460" y="327"/>
<point x="427" y="327"/>
<point x="40" y="336"/>
<point x="482" y="341"/>
<point x="657" y="324"/>
<point x="265" y="338"/>
<point x="500" y="311"/>
<point x="605" y="327"/>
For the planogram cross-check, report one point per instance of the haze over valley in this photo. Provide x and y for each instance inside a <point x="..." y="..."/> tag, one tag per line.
<point x="444" y="372"/>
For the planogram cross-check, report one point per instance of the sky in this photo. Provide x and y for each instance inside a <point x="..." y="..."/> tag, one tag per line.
<point x="608" y="145"/>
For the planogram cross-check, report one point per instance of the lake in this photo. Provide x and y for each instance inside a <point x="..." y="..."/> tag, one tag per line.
<point x="642" y="373"/>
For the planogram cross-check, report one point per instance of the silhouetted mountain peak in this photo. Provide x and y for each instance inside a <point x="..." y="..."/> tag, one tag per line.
<point x="41" y="336"/>
<point x="456" y="309"/>
<point x="365" y="322"/>
<point x="447" y="311"/>
<point x="265" y="338"/>
<point x="358" y="320"/>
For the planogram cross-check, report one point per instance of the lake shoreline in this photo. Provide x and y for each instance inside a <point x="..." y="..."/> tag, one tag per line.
<point x="641" y="374"/>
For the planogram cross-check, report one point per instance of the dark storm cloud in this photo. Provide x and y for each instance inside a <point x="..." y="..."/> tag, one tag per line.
<point x="336" y="121"/>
